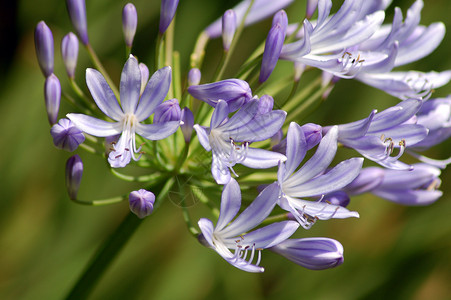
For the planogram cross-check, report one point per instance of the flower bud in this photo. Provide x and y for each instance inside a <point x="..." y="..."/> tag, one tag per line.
<point x="194" y="76"/>
<point x="311" y="7"/>
<point x="167" y="111"/>
<point x="188" y="122"/>
<point x="281" y="18"/>
<point x="52" y="96"/>
<point x="273" y="47"/>
<point x="276" y="139"/>
<point x="129" y="23"/>
<point x="228" y="28"/>
<point x="77" y="14"/>
<point x="144" y="76"/>
<point x="74" y="172"/>
<point x="141" y="203"/>
<point x="313" y="134"/>
<point x="265" y="104"/>
<point x="235" y="92"/>
<point x="167" y="12"/>
<point x="261" y="9"/>
<point x="69" y="51"/>
<point x="66" y="136"/>
<point x="339" y="198"/>
<point x="43" y="41"/>
<point x="312" y="253"/>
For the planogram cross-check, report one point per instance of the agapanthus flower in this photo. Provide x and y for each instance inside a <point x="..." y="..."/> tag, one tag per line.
<point x="414" y="42"/>
<point x="326" y="43"/>
<point x="69" y="52"/>
<point x="236" y="234"/>
<point x="378" y="135"/>
<point x="312" y="179"/>
<point x="130" y="114"/>
<point x="228" y="139"/>
<point x="415" y="187"/>
<point x="311" y="253"/>
<point x="43" y="41"/>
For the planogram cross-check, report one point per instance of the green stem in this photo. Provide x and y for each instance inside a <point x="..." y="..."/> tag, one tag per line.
<point x="101" y="202"/>
<point x="104" y="257"/>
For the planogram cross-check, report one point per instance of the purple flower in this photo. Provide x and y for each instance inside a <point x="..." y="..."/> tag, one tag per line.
<point x="52" y="96"/>
<point x="415" y="187"/>
<point x="66" y="136"/>
<point x="141" y="202"/>
<point x="228" y="28"/>
<point x="228" y="139"/>
<point x="69" y="52"/>
<point x="129" y="23"/>
<point x="77" y="14"/>
<point x="235" y="92"/>
<point x="237" y="234"/>
<point x="144" y="77"/>
<point x="311" y="253"/>
<point x="167" y="13"/>
<point x="311" y="180"/>
<point x="43" y="41"/>
<point x="129" y="116"/>
<point x="336" y="34"/>
<point x="273" y="45"/>
<point x="260" y="10"/>
<point x="376" y="136"/>
<point x="74" y="172"/>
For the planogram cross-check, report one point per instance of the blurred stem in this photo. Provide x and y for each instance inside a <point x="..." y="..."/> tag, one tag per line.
<point x="199" y="50"/>
<point x="102" y="70"/>
<point x="104" y="257"/>
<point x="158" y="51"/>
<point x="177" y="85"/>
<point x="111" y="247"/>
<point x="101" y="202"/>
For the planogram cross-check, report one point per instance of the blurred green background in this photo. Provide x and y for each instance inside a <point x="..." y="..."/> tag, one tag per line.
<point x="391" y="252"/>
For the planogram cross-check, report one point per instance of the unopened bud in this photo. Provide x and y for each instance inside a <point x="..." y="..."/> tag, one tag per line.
<point x="273" y="47"/>
<point x="141" y="203"/>
<point x="69" y="51"/>
<point x="188" y="123"/>
<point x="129" y="23"/>
<point x="235" y="92"/>
<point x="228" y="28"/>
<point x="313" y="134"/>
<point x="77" y="14"/>
<point x="194" y="76"/>
<point x="52" y="96"/>
<point x="167" y="12"/>
<point x="312" y="253"/>
<point x="74" y="172"/>
<point x="66" y="136"/>
<point x="167" y="111"/>
<point x="43" y="41"/>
